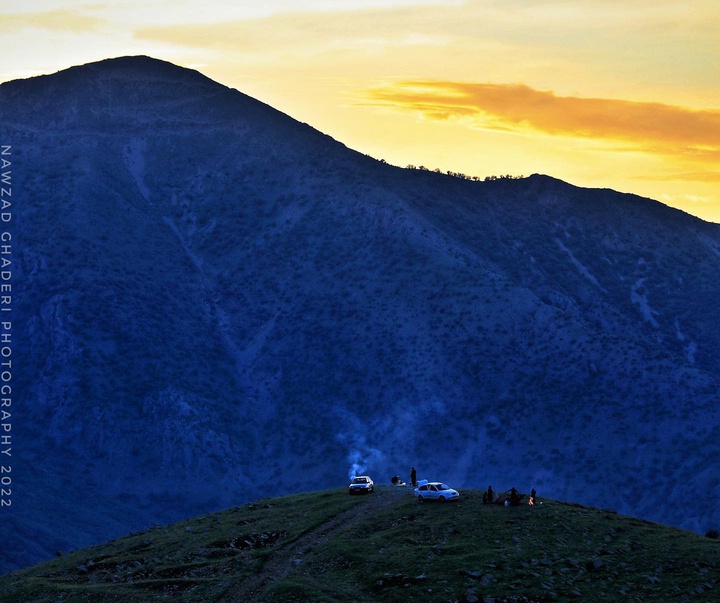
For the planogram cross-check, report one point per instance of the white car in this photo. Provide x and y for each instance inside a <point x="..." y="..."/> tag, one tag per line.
<point x="361" y="484"/>
<point x="435" y="491"/>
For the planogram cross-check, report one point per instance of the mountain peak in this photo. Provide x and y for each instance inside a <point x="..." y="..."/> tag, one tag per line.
<point x="131" y="66"/>
<point x="145" y="67"/>
<point x="125" y="92"/>
<point x="216" y="296"/>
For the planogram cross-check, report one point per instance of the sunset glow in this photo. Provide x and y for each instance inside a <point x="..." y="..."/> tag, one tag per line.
<point x="599" y="93"/>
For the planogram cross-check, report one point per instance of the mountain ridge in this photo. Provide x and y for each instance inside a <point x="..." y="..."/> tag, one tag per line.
<point x="215" y="295"/>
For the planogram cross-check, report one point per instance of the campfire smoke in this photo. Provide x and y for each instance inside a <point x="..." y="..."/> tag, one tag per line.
<point x="361" y="456"/>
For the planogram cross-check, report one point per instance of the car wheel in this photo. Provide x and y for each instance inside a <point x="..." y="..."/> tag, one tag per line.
<point x="420" y="498"/>
<point x="441" y="499"/>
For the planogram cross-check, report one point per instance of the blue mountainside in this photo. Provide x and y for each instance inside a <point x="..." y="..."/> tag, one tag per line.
<point x="215" y="302"/>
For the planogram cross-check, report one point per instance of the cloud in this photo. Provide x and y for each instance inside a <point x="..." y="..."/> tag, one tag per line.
<point x="66" y="20"/>
<point x="351" y="30"/>
<point x="651" y="127"/>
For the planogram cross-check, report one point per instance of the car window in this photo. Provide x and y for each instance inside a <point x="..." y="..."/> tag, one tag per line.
<point x="423" y="488"/>
<point x="443" y="487"/>
<point x="433" y="488"/>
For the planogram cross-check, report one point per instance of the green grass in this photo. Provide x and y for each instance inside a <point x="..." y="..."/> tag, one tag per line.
<point x="386" y="546"/>
<point x="195" y="560"/>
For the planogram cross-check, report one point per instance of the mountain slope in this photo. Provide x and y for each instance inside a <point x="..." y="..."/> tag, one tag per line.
<point x="215" y="296"/>
<point x="385" y="546"/>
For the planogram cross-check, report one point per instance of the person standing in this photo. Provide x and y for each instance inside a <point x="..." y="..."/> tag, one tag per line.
<point x="413" y="477"/>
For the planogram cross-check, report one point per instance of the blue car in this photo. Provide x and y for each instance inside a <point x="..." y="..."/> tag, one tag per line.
<point x="435" y="491"/>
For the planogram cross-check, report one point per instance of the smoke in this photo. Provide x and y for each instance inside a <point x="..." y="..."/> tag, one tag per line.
<point x="363" y="458"/>
<point x="358" y="465"/>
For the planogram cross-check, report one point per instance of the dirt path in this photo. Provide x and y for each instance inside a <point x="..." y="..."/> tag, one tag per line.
<point x="292" y="557"/>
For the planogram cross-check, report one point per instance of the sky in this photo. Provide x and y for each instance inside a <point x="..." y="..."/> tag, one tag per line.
<point x="621" y="94"/>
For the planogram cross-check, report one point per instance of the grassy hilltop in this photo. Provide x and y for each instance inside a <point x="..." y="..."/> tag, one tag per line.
<point x="386" y="546"/>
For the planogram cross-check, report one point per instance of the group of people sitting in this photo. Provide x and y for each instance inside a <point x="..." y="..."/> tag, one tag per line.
<point x="510" y="497"/>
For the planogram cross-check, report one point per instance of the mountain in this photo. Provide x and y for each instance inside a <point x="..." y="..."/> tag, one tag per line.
<point x="385" y="546"/>
<point x="213" y="302"/>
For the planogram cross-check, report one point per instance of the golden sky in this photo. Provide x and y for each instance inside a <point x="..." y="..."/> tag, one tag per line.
<point x="621" y="94"/>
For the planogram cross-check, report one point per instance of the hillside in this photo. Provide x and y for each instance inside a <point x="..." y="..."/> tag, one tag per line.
<point x="211" y="296"/>
<point x="385" y="546"/>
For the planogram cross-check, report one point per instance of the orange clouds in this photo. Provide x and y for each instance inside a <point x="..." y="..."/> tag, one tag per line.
<point x="650" y="127"/>
<point x="578" y="61"/>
